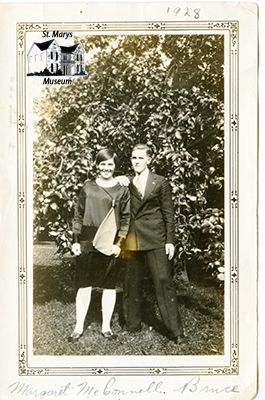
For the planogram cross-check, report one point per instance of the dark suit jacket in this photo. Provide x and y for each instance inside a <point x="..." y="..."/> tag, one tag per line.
<point x="152" y="218"/>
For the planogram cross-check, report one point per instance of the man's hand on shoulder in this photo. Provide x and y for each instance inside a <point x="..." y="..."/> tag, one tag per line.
<point x="122" y="180"/>
<point x="170" y="250"/>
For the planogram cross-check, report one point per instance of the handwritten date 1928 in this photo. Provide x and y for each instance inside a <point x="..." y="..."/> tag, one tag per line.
<point x="184" y="12"/>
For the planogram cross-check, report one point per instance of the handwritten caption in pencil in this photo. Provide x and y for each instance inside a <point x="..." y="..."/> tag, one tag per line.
<point x="113" y="389"/>
<point x="184" y="12"/>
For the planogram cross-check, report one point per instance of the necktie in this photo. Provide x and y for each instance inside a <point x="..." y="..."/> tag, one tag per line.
<point x="138" y="184"/>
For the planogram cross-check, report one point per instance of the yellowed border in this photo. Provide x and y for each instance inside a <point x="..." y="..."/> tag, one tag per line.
<point x="230" y="27"/>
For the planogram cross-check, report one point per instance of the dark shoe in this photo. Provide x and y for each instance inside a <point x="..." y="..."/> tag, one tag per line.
<point x="108" y="335"/>
<point x="74" y="337"/>
<point x="134" y="330"/>
<point x="176" y="339"/>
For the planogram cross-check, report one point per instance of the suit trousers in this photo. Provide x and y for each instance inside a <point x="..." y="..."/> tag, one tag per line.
<point x="161" y="272"/>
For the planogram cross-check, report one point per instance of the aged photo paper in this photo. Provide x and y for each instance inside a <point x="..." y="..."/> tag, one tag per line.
<point x="52" y="57"/>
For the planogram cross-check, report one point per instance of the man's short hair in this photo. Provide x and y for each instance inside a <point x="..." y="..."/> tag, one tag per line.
<point x="143" y="146"/>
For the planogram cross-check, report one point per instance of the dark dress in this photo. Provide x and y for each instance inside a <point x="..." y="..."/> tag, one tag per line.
<point x="92" y="206"/>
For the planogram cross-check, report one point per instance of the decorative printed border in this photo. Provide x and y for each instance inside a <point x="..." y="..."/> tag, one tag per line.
<point x="230" y="27"/>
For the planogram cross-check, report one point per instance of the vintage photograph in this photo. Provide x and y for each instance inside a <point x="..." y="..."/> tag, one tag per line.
<point x="129" y="200"/>
<point x="128" y="193"/>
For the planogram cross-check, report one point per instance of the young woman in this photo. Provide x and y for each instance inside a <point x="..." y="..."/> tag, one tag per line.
<point x="98" y="200"/>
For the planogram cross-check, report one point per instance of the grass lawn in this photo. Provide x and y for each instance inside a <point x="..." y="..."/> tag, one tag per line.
<point x="54" y="318"/>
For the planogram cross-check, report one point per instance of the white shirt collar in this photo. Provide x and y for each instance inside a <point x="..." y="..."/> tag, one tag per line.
<point x="144" y="175"/>
<point x="140" y="181"/>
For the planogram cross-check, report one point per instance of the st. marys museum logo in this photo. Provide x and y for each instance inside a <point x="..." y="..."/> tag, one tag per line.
<point x="51" y="59"/>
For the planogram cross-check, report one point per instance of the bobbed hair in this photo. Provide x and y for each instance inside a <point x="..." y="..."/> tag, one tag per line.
<point x="106" y="154"/>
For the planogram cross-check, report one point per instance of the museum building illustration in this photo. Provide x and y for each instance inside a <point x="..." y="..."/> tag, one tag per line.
<point x="49" y="58"/>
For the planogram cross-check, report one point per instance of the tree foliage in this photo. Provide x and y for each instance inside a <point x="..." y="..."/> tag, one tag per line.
<point x="166" y="91"/>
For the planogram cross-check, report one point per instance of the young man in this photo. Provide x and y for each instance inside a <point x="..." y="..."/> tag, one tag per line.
<point x="150" y="241"/>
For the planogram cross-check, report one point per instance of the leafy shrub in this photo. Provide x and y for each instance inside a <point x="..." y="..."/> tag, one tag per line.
<point x="166" y="91"/>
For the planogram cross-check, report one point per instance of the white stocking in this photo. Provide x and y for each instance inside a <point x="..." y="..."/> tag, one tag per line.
<point x="108" y="303"/>
<point x="82" y="303"/>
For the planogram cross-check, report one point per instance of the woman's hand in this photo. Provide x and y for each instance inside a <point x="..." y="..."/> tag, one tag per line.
<point x="115" y="250"/>
<point x="76" y="249"/>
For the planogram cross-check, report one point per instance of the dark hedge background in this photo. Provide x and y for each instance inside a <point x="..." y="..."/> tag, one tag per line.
<point x="164" y="90"/>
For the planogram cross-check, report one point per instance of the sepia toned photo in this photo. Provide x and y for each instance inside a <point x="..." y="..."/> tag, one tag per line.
<point x="132" y="193"/>
<point x="143" y="104"/>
